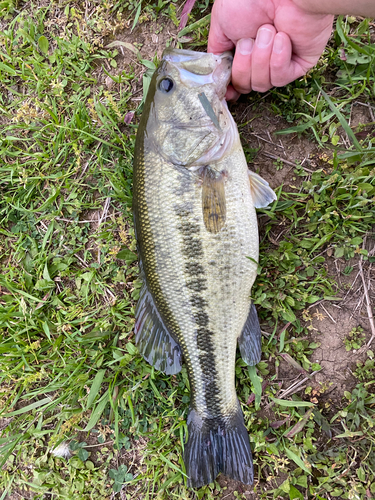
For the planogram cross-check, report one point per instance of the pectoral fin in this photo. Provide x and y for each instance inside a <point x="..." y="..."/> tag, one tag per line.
<point x="261" y="192"/>
<point x="213" y="200"/>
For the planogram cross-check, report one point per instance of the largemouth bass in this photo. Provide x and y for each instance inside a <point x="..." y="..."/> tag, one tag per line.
<point x="196" y="227"/>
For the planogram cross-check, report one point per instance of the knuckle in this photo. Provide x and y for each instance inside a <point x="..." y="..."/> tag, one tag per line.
<point x="261" y="87"/>
<point x="280" y="79"/>
<point x="242" y="90"/>
<point x="242" y="83"/>
<point x="277" y="64"/>
<point x="280" y="83"/>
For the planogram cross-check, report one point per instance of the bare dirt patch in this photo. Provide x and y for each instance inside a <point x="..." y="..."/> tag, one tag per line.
<point x="283" y="151"/>
<point x="150" y="39"/>
<point x="337" y="363"/>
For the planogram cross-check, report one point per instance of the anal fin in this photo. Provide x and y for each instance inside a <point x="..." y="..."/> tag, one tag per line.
<point x="153" y="339"/>
<point x="250" y="340"/>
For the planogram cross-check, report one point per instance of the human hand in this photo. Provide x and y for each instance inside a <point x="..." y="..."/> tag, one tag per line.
<point x="276" y="41"/>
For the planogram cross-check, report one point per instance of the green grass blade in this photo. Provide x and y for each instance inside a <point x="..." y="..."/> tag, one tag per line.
<point x="173" y="466"/>
<point x="137" y="14"/>
<point x="255" y="380"/>
<point x="291" y="404"/>
<point x="296" y="459"/>
<point x="296" y="128"/>
<point x="28" y="408"/>
<point x="342" y="120"/>
<point x="97" y="412"/>
<point x="195" y="26"/>
<point x="95" y="388"/>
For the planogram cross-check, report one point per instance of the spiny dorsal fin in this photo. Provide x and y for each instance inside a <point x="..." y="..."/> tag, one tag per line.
<point x="213" y="200"/>
<point x="261" y="192"/>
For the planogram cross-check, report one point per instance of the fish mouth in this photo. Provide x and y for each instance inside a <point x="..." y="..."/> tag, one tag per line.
<point x="181" y="55"/>
<point x="201" y="68"/>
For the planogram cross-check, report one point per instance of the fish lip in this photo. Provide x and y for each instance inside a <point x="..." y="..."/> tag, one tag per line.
<point x="182" y="52"/>
<point x="181" y="55"/>
<point x="219" y="74"/>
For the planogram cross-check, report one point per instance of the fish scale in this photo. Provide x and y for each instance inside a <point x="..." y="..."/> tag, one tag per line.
<point x="196" y="227"/>
<point x="172" y="249"/>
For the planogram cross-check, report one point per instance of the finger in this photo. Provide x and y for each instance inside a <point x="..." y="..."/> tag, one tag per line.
<point x="260" y="66"/>
<point x="218" y="42"/>
<point x="241" y="68"/>
<point x="285" y="68"/>
<point x="232" y="94"/>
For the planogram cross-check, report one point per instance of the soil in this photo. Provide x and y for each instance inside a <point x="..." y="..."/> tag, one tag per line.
<point x="150" y="39"/>
<point x="260" y="133"/>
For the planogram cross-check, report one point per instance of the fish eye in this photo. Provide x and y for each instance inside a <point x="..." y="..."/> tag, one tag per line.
<point x="166" y="85"/>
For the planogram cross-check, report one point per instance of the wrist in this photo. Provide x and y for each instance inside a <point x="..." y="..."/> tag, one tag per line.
<point x="314" y="6"/>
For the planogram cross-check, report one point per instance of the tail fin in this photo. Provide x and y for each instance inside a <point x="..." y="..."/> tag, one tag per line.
<point x="217" y="445"/>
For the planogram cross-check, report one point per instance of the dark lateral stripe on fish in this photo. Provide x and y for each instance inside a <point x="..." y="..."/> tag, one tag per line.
<point x="192" y="247"/>
<point x="194" y="268"/>
<point x="198" y="301"/>
<point x="209" y="372"/>
<point x="197" y="283"/>
<point x="201" y="318"/>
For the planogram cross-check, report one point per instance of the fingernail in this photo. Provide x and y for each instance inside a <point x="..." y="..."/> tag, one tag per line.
<point x="278" y="44"/>
<point x="245" y="46"/>
<point x="264" y="37"/>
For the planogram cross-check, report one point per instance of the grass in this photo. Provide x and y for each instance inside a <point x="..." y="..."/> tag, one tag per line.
<point x="69" y="368"/>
